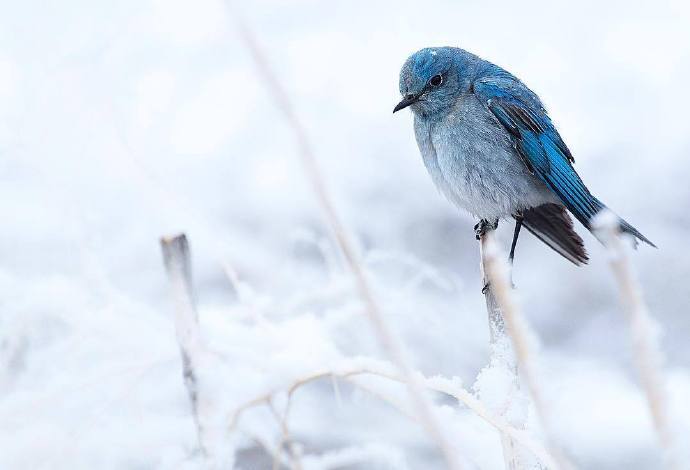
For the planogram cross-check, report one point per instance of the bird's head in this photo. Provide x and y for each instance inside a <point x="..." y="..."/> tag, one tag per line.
<point x="430" y="81"/>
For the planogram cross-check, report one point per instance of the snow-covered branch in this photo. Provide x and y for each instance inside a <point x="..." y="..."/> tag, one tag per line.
<point x="649" y="358"/>
<point x="506" y="321"/>
<point x="355" y="371"/>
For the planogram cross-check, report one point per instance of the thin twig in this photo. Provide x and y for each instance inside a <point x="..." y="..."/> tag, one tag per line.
<point x="648" y="356"/>
<point x="386" y="336"/>
<point x="285" y="437"/>
<point x="437" y="384"/>
<point x="497" y="273"/>
<point x="266" y="447"/>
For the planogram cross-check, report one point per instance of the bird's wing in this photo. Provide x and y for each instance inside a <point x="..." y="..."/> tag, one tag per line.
<point x="551" y="224"/>
<point x="536" y="140"/>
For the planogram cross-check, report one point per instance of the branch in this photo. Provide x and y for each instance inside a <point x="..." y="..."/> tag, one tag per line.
<point x="501" y="353"/>
<point x="178" y="266"/>
<point x="505" y="317"/>
<point x="649" y="359"/>
<point x="285" y="437"/>
<point x="438" y="384"/>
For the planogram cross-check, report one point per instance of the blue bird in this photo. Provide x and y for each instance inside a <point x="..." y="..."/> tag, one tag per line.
<point x="491" y="149"/>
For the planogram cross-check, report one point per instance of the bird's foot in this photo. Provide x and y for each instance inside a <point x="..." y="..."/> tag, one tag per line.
<point x="486" y="288"/>
<point x="484" y="226"/>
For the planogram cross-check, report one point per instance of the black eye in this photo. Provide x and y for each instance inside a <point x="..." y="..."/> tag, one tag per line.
<point x="436" y="80"/>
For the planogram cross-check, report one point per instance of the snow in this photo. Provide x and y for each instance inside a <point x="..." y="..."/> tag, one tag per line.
<point x="127" y="121"/>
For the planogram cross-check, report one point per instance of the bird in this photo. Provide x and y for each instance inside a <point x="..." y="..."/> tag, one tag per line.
<point x="491" y="149"/>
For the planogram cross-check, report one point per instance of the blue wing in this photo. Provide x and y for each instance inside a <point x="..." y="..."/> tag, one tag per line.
<point x="537" y="142"/>
<point x="540" y="146"/>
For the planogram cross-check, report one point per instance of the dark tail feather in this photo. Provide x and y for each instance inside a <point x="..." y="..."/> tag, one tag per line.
<point x="551" y="224"/>
<point x="625" y="226"/>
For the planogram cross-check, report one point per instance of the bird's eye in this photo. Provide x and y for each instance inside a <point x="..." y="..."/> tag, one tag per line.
<point x="436" y="80"/>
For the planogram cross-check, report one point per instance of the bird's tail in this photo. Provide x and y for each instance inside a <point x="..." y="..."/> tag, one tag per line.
<point x="551" y="224"/>
<point x="598" y="206"/>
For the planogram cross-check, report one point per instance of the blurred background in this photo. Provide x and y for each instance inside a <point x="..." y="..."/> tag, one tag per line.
<point x="124" y="121"/>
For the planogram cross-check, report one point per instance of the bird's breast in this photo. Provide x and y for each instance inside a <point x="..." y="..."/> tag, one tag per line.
<point x="472" y="161"/>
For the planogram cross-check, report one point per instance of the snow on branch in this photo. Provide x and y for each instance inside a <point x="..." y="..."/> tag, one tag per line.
<point x="356" y="370"/>
<point x="505" y="319"/>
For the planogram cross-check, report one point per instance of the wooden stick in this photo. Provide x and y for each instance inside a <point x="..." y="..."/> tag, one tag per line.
<point x="177" y="263"/>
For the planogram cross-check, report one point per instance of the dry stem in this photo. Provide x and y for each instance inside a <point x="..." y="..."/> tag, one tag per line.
<point x="386" y="336"/>
<point x="497" y="335"/>
<point x="648" y="356"/>
<point x="178" y="266"/>
<point x="437" y="384"/>
<point x="506" y="318"/>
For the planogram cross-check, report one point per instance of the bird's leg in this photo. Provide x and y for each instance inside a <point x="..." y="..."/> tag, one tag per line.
<point x="480" y="229"/>
<point x="511" y="257"/>
<point x="484" y="226"/>
<point x="516" y="233"/>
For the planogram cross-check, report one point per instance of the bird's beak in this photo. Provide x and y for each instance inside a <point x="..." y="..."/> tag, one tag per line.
<point x="405" y="102"/>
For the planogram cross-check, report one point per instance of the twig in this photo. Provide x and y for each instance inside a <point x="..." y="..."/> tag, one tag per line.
<point x="505" y="318"/>
<point x="643" y="332"/>
<point x="501" y="352"/>
<point x="388" y="340"/>
<point x="437" y="384"/>
<point x="285" y="437"/>
<point x="261" y="442"/>
<point x="178" y="266"/>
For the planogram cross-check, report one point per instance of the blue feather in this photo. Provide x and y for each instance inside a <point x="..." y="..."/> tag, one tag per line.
<point x="536" y="140"/>
<point x="540" y="146"/>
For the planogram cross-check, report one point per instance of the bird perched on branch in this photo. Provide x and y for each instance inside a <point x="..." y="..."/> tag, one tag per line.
<point x="492" y="149"/>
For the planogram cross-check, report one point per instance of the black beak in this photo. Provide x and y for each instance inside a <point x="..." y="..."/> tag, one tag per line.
<point x="406" y="101"/>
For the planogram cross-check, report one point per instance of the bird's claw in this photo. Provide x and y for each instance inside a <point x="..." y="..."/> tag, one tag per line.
<point x="484" y="226"/>
<point x="486" y="288"/>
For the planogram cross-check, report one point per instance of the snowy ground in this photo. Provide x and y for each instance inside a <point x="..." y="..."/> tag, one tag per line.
<point x="124" y="121"/>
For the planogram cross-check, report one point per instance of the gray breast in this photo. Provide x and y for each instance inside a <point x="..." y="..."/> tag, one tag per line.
<point x="471" y="159"/>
